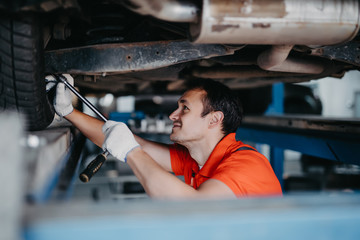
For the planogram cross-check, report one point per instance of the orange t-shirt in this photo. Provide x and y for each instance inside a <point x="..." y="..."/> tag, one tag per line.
<point x="243" y="169"/>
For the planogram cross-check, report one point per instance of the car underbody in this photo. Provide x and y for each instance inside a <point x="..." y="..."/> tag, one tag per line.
<point x="153" y="47"/>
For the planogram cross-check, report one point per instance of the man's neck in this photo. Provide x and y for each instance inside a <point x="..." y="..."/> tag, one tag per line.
<point x="200" y="151"/>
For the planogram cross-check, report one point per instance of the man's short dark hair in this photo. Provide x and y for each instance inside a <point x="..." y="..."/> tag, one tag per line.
<point x="219" y="97"/>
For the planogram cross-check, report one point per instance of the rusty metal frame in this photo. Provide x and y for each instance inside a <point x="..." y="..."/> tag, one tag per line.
<point x="129" y="57"/>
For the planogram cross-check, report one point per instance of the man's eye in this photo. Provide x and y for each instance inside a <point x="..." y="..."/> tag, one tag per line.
<point x="186" y="108"/>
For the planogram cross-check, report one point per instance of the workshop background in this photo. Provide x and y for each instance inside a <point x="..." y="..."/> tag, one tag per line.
<point x="131" y="60"/>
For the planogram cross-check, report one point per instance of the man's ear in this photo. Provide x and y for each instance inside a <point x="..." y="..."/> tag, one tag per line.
<point x="216" y="119"/>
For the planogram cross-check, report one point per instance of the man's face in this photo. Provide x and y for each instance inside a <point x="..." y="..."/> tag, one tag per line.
<point x="188" y="125"/>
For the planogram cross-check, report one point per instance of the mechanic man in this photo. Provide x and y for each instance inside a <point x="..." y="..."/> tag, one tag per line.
<point x="205" y="152"/>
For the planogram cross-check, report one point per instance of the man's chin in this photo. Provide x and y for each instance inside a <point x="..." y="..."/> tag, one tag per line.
<point x="174" y="138"/>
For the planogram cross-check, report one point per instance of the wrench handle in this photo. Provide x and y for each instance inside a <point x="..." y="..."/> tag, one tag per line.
<point x="93" y="167"/>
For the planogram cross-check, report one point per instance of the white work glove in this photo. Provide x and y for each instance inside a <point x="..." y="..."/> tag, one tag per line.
<point x="119" y="140"/>
<point x="63" y="97"/>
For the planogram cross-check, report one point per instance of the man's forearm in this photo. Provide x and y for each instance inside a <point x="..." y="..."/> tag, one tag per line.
<point x="89" y="126"/>
<point x="157" y="182"/>
<point x="158" y="151"/>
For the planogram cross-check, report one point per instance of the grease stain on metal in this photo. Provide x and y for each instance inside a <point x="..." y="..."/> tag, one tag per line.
<point x="261" y="25"/>
<point x="221" y="28"/>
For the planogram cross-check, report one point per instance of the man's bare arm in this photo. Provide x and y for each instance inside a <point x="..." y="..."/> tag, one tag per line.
<point x="161" y="184"/>
<point x="88" y="125"/>
<point x="157" y="151"/>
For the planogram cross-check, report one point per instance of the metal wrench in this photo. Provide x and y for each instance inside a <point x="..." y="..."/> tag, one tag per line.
<point x="95" y="164"/>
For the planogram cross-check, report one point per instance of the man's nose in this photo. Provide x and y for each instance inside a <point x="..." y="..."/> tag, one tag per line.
<point x="174" y="115"/>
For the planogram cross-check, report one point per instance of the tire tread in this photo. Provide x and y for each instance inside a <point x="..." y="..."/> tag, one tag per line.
<point x="21" y="71"/>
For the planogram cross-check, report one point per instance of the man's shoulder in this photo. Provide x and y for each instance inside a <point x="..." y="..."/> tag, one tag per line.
<point x="240" y="152"/>
<point x="238" y="146"/>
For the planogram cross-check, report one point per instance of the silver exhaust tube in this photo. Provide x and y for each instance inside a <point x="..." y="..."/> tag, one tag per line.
<point x="277" y="22"/>
<point x="277" y="59"/>
<point x="168" y="10"/>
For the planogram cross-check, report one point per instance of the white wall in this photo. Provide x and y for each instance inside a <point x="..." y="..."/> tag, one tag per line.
<point x="338" y="95"/>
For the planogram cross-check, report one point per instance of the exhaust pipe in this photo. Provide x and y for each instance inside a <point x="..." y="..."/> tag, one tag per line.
<point x="277" y="59"/>
<point x="277" y="22"/>
<point x="168" y="10"/>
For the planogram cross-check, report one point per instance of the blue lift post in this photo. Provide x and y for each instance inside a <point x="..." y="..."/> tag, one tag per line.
<point x="276" y="153"/>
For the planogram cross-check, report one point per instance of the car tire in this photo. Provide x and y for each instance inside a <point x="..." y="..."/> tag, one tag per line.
<point x="22" y="84"/>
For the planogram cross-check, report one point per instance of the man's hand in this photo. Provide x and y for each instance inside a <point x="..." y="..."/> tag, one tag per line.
<point x="63" y="98"/>
<point x="119" y="140"/>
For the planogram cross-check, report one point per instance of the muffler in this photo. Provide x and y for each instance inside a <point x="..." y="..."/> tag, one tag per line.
<point x="275" y="22"/>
